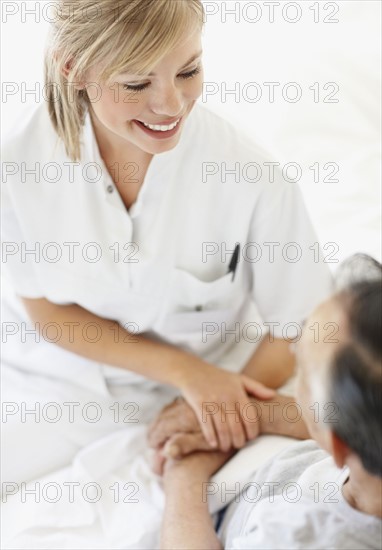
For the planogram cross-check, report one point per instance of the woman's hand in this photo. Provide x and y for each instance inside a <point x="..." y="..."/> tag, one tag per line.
<point x="220" y="402"/>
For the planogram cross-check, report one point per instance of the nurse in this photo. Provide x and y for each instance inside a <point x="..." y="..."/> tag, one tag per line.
<point x="144" y="256"/>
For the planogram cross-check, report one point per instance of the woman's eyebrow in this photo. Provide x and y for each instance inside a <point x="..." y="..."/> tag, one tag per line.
<point x="195" y="56"/>
<point x="191" y="60"/>
<point x="188" y="62"/>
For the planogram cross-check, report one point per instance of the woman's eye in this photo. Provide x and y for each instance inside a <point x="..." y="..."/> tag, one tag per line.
<point x="141" y="87"/>
<point x="137" y="88"/>
<point x="190" y="74"/>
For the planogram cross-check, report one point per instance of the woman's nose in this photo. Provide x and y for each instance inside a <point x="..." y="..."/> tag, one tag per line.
<point x="167" y="101"/>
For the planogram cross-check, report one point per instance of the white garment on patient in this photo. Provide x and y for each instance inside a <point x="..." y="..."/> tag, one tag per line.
<point x="295" y="501"/>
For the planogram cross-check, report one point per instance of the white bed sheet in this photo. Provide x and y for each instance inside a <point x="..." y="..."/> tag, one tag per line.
<point x="126" y="517"/>
<point x="120" y="460"/>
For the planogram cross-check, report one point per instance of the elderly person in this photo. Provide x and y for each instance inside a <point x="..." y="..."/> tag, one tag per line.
<point x="325" y="492"/>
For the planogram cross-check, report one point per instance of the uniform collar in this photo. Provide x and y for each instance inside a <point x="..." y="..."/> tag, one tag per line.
<point x="157" y="174"/>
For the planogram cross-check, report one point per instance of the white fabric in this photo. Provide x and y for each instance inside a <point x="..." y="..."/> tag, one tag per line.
<point x="46" y="423"/>
<point x="109" y="522"/>
<point x="127" y="516"/>
<point x="106" y="454"/>
<point x="174" y="214"/>
<point x="295" y="501"/>
<point x="307" y="135"/>
<point x="103" y="453"/>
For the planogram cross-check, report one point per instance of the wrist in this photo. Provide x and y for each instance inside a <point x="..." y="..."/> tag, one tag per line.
<point x="271" y="415"/>
<point x="182" y="474"/>
<point x="187" y="368"/>
<point x="194" y="468"/>
<point x="282" y="416"/>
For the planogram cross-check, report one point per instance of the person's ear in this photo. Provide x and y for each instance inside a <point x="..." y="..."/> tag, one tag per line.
<point x="338" y="449"/>
<point x="65" y="71"/>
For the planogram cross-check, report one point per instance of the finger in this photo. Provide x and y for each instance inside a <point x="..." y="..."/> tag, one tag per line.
<point x="208" y="429"/>
<point x="163" y="428"/>
<point x="186" y="418"/>
<point x="157" y="463"/>
<point x="237" y="431"/>
<point x="151" y="435"/>
<point x="179" y="417"/>
<point x="223" y="430"/>
<point x="257" y="388"/>
<point x="250" y="415"/>
<point x="180" y="445"/>
<point x="157" y="434"/>
<point x="168" y="412"/>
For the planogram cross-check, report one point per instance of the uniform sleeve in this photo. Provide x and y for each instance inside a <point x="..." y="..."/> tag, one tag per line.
<point x="289" y="274"/>
<point x="19" y="267"/>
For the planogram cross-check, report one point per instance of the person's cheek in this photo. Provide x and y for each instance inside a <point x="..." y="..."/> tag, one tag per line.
<point x="122" y="106"/>
<point x="194" y="87"/>
<point x="103" y="105"/>
<point x="130" y="105"/>
<point x="198" y="86"/>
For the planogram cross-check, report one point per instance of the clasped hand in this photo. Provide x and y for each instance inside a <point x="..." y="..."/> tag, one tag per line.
<point x="176" y="433"/>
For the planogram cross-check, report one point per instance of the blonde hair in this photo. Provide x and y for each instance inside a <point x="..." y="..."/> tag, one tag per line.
<point x="120" y="34"/>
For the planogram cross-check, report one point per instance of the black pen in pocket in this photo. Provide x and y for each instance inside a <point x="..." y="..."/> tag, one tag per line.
<point x="234" y="261"/>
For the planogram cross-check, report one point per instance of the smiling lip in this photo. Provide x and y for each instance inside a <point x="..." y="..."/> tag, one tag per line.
<point x="158" y="134"/>
<point x="165" y="123"/>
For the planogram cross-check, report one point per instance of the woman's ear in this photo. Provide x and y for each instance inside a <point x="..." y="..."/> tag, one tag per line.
<point x="65" y="71"/>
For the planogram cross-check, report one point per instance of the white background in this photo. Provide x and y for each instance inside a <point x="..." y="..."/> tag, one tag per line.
<point x="238" y="49"/>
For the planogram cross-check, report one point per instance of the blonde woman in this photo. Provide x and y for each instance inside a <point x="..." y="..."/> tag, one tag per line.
<point x="139" y="270"/>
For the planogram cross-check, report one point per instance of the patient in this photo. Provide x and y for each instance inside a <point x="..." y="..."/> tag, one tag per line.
<point x="325" y="492"/>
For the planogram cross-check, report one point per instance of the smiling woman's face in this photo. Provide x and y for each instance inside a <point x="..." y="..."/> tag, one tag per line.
<point x="163" y="98"/>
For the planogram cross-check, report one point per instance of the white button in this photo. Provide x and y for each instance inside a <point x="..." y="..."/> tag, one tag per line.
<point x="110" y="188"/>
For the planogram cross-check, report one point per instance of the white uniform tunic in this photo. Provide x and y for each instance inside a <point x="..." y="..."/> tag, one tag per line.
<point x="160" y="268"/>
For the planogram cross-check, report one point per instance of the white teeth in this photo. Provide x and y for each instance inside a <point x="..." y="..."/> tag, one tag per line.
<point x="159" y="128"/>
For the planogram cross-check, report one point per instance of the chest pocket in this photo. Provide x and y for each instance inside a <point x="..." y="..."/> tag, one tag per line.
<point x="194" y="308"/>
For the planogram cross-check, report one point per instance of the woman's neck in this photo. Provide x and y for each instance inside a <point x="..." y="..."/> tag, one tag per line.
<point x="127" y="164"/>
